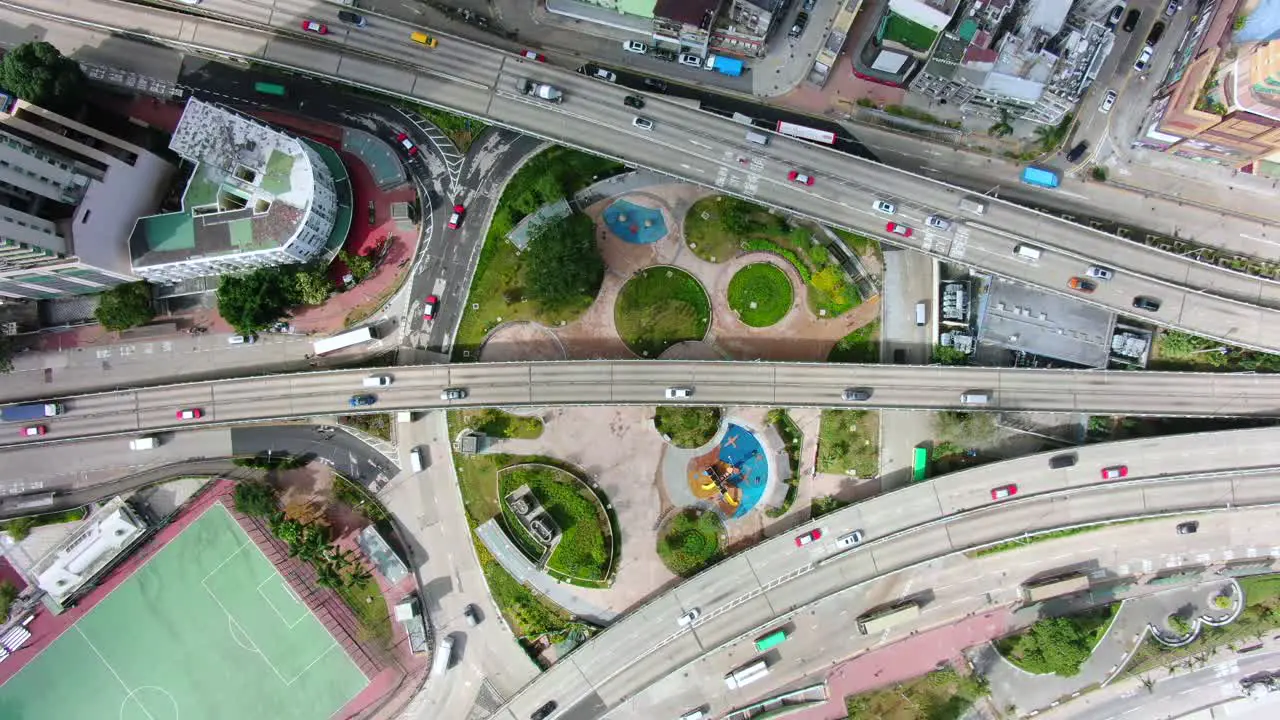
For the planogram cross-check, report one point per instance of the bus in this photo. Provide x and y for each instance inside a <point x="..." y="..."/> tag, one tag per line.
<point x="806" y="133"/>
<point x="1041" y="177"/>
<point x="887" y="617"/>
<point x="1052" y="587"/>
<point x="920" y="464"/>
<point x="345" y="340"/>
<point x="772" y="640"/>
<point x="746" y="674"/>
<point x="269" y="88"/>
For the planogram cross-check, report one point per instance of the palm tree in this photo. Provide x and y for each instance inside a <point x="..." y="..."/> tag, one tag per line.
<point x="1002" y="127"/>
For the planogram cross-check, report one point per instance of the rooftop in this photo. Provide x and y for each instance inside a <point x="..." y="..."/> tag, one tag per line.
<point x="96" y="543"/>
<point x="1019" y="317"/>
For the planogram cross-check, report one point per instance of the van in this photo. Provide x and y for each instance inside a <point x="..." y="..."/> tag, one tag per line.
<point x="922" y="314"/>
<point x="973" y="205"/>
<point x="444" y="653"/>
<point x="694" y="715"/>
<point x="415" y="459"/>
<point x="377" y="381"/>
<point x="143" y="443"/>
<point x="975" y="397"/>
<point x="242" y="339"/>
<point x="758" y="138"/>
<point x="423" y="39"/>
<point x="1030" y="252"/>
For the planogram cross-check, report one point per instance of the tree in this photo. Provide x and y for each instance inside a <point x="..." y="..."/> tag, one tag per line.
<point x="305" y="511"/>
<point x="1002" y="127"/>
<point x="563" y="261"/>
<point x="311" y="284"/>
<point x="1053" y="645"/>
<point x="253" y="301"/>
<point x="947" y="355"/>
<point x="1098" y="172"/>
<point x="963" y="429"/>
<point x="6" y="354"/>
<point x="360" y="266"/>
<point x="8" y="593"/>
<point x="39" y="74"/>
<point x="257" y="498"/>
<point x="125" y="306"/>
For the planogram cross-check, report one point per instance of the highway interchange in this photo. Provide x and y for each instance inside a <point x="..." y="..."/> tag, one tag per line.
<point x="711" y="150"/>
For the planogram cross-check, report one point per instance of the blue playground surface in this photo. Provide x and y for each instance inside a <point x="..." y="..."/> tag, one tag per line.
<point x="739" y="448"/>
<point x="635" y="224"/>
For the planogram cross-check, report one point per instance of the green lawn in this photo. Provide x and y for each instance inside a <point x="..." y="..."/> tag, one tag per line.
<point x="908" y="32"/>
<point x="499" y="424"/>
<point x="861" y="244"/>
<point x="940" y="695"/>
<point x="659" y="307"/>
<point x="860" y="346"/>
<point x="761" y="294"/>
<point x="370" y="608"/>
<point x="690" y="542"/>
<point x="688" y="427"/>
<point x="461" y="130"/>
<point x="705" y="235"/>
<point x="849" y="441"/>
<point x="1182" y="351"/>
<point x="584" y="547"/>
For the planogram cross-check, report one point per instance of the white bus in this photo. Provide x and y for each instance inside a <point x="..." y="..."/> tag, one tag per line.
<point x="345" y="340"/>
<point x="885" y="618"/>
<point x="746" y="674"/>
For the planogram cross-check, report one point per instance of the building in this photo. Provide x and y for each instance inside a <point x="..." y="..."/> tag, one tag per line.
<point x="69" y="197"/>
<point x="746" y="26"/>
<point x="103" y="538"/>
<point x="1218" y="102"/>
<point x="731" y="27"/>
<point x="1033" y="61"/>
<point x="829" y="53"/>
<point x="685" y="24"/>
<point x="257" y="197"/>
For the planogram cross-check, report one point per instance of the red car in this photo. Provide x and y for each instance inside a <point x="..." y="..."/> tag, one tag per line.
<point x="315" y="27"/>
<point x="33" y="431"/>
<point x="190" y="414"/>
<point x="407" y="144"/>
<point x="531" y="55"/>
<point x="429" y="307"/>
<point x="1115" y="472"/>
<point x="797" y="177"/>
<point x="895" y="228"/>
<point x="1003" y="492"/>
<point x="808" y="537"/>
<point x="455" y="219"/>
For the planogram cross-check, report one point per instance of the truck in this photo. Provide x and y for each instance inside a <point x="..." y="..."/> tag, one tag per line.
<point x="540" y="90"/>
<point x="1041" y="177"/>
<point x="29" y="411"/>
<point x="444" y="652"/>
<point x="723" y="65"/>
<point x="147" y="442"/>
<point x="746" y="674"/>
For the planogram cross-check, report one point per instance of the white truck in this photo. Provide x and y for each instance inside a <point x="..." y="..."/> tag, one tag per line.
<point x="540" y="90"/>
<point x="147" y="442"/>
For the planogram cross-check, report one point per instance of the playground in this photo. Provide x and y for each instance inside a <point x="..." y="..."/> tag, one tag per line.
<point x="206" y="629"/>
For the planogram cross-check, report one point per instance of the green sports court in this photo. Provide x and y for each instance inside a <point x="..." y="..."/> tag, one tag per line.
<point x="205" y="630"/>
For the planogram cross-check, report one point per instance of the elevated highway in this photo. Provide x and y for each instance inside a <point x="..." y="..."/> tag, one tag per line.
<point x="694" y="145"/>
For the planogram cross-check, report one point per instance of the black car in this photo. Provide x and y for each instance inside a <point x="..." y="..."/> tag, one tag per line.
<point x="797" y="30"/>
<point x="1188" y="528"/>
<point x="655" y="84"/>
<point x="1157" y="32"/>
<point x="634" y="101"/>
<point x="543" y="712"/>
<point x="1077" y="152"/>
<point x="1131" y="20"/>
<point x="856" y="394"/>
<point x="1066" y="460"/>
<point x="667" y="55"/>
<point x="1150" y="304"/>
<point x="351" y="18"/>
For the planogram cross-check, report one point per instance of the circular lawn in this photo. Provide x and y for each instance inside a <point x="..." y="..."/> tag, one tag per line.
<point x="760" y="294"/>
<point x="659" y="307"/>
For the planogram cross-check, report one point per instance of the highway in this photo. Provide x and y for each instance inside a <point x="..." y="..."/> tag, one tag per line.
<point x="706" y="149"/>
<point x="637" y="382"/>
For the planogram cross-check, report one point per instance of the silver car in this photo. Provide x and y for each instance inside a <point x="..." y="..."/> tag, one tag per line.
<point x="885" y="207"/>
<point x="937" y="221"/>
<point x="1102" y="273"/>
<point x="453" y="394"/>
<point x="849" y="540"/>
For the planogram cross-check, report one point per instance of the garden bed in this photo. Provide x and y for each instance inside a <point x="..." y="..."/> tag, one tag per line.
<point x="760" y="294"/>
<point x="849" y="442"/>
<point x="585" y="546"/>
<point x="659" y="307"/>
<point x="687" y="427"/>
<point x="690" y="542"/>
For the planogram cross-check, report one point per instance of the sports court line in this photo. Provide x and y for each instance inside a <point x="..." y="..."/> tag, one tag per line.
<point x="234" y="553"/>
<point x="281" y="582"/>
<point x="127" y="690"/>
<point x="231" y="616"/>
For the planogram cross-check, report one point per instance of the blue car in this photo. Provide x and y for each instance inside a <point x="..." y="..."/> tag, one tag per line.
<point x="362" y="400"/>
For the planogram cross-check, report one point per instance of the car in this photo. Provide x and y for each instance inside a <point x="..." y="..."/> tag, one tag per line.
<point x="802" y="19"/>
<point x="687" y="619"/>
<point x="1113" y="19"/>
<point x="605" y="75"/>
<point x="1065" y="460"/>
<point x="855" y="394"/>
<point x="33" y="431"/>
<point x="1115" y="472"/>
<point x="1188" y="528"/>
<point x="362" y="400"/>
<point x="849" y="539"/>
<point x="1131" y="20"/>
<point x="455" y="217"/>
<point x="1100" y="272"/>
<point x="534" y="56"/>
<point x="887" y="208"/>
<point x="643" y="123"/>
<point x="1157" y="32"/>
<point x="190" y="414"/>
<point x="808" y="5"/>
<point x="1003" y="492"/>
<point x="315" y="27"/>
<point x="1172" y="8"/>
<point x="937" y="221"/>
<point x="690" y="60"/>
<point x="796" y="176"/>
<point x="635" y="46"/>
<point x="472" y="614"/>
<point x="898" y="229"/>
<point x="1079" y="284"/>
<point x="666" y="55"/>
<point x="545" y="711"/>
<point x="407" y="144"/>
<point x="1146" y="302"/>
<point x="351" y="18"/>
<point x="1078" y="151"/>
<point x="655" y="84"/>
<point x="1144" y="58"/>
<point x="453" y="394"/>
<point x="1108" y="101"/>
<point x="811" y="536"/>
<point x="679" y="392"/>
<point x="633" y="101"/>
<point x="429" y="307"/>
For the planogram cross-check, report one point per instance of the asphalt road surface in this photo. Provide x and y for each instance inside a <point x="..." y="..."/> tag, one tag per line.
<point x="330" y="444"/>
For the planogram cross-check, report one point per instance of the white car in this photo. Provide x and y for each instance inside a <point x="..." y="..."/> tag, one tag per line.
<point x="687" y="619"/>
<point x="849" y="540"/>
<point x="690" y="60"/>
<point x="887" y="208"/>
<point x="937" y="221"/>
<point x="643" y="123"/>
<point x="604" y="75"/>
<point x="1143" y="58"/>
<point x="674" y="393"/>
<point x="1107" y="102"/>
<point x="635" y="46"/>
<point x="453" y="394"/>
<point x="1102" y="273"/>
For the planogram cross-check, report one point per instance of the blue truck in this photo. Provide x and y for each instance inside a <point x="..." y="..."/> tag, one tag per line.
<point x="723" y="65"/>
<point x="30" y="411"/>
<point x="1041" y="177"/>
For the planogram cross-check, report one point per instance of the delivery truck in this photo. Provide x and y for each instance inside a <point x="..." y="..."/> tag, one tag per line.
<point x="724" y="65"/>
<point x="29" y="411"/>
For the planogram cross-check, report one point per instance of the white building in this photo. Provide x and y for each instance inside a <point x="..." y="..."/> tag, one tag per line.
<point x="102" y="538"/>
<point x="257" y="198"/>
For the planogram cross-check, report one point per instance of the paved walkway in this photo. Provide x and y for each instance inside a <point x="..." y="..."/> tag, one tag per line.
<point x="514" y="562"/>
